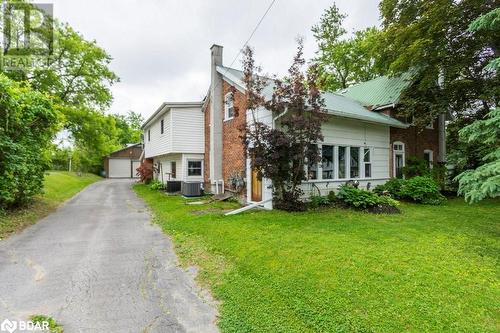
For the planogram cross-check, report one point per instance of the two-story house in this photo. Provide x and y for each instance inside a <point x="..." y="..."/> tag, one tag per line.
<point x="363" y="139"/>
<point x="174" y="141"/>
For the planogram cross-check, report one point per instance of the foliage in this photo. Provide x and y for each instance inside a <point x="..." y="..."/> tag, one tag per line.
<point x="422" y="190"/>
<point x="332" y="196"/>
<point x="391" y="187"/>
<point x="416" y="166"/>
<point x="28" y="122"/>
<point x="156" y="185"/>
<point x="484" y="181"/>
<point x="57" y="187"/>
<point x="280" y="152"/>
<point x="343" y="61"/>
<point x="359" y="198"/>
<point x="432" y="39"/>
<point x="145" y="172"/>
<point x="54" y="326"/>
<point x="331" y="270"/>
<point x="129" y="127"/>
<point x="316" y="201"/>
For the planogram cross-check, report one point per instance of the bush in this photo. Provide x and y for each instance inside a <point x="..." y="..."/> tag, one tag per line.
<point x="316" y="201"/>
<point x="423" y="190"/>
<point x="145" y="172"/>
<point x="392" y="187"/>
<point x="359" y="198"/>
<point x="156" y="185"/>
<point x="28" y="123"/>
<point x="290" y="201"/>
<point x="332" y="197"/>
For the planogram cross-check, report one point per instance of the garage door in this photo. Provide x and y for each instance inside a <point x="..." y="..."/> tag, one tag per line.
<point x="120" y="168"/>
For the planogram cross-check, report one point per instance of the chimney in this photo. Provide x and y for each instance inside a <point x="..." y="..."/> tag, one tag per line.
<point x="216" y="115"/>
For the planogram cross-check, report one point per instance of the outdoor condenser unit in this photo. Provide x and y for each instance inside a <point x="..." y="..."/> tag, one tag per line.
<point x="191" y="189"/>
<point x="173" y="186"/>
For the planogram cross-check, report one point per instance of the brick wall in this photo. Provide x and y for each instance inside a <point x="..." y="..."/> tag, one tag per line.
<point x="233" y="150"/>
<point x="416" y="140"/>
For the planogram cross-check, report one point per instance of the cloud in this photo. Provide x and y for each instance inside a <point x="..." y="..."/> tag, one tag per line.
<point x="160" y="49"/>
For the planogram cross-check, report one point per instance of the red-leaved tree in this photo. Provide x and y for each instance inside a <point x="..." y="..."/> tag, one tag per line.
<point x="280" y="151"/>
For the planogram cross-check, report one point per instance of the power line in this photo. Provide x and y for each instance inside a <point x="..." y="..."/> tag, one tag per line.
<point x="253" y="32"/>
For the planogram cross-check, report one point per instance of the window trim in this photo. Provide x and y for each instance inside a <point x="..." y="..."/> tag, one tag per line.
<point x="228" y="99"/>
<point x="187" y="168"/>
<point x="398" y="152"/>
<point x="336" y="163"/>
<point x="431" y="157"/>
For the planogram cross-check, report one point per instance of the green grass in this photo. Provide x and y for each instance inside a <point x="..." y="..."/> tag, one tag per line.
<point x="432" y="268"/>
<point x="53" y="325"/>
<point x="58" y="187"/>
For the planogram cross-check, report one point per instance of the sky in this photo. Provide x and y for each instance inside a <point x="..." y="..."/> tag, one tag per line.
<point x="161" y="48"/>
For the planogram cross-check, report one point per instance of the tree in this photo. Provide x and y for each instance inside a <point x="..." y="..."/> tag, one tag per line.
<point x="281" y="152"/>
<point x="129" y="127"/>
<point x="343" y="61"/>
<point x="483" y="181"/>
<point x="431" y="39"/>
<point x="28" y="122"/>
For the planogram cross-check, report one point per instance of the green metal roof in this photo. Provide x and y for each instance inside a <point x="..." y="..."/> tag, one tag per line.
<point x="383" y="90"/>
<point x="336" y="104"/>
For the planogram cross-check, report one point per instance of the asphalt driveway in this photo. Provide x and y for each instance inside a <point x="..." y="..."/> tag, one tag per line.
<point x="98" y="264"/>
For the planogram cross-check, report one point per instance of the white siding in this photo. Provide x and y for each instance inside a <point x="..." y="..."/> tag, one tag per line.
<point x="158" y="144"/>
<point x="181" y="161"/>
<point x="188" y="131"/>
<point x="347" y="132"/>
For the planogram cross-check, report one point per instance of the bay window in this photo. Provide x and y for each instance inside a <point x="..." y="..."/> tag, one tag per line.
<point x="367" y="162"/>
<point x="342" y="161"/>
<point x="354" y="162"/>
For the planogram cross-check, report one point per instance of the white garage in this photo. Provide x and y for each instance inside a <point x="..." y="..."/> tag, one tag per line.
<point x="123" y="163"/>
<point x="122" y="168"/>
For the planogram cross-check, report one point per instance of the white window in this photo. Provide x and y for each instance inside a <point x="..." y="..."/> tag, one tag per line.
<point x="354" y="162"/>
<point x="194" y="168"/>
<point x="428" y="156"/>
<point x="398" y="158"/>
<point x="367" y="162"/>
<point x="228" y="106"/>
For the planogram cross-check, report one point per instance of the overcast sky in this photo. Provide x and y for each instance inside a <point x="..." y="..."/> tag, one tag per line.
<point x="160" y="48"/>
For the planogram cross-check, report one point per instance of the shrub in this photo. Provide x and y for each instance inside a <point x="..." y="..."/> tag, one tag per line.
<point x="416" y="166"/>
<point x="423" y="190"/>
<point x="316" y="201"/>
<point x="28" y="122"/>
<point x="392" y="187"/>
<point x="145" y="172"/>
<point x="290" y="201"/>
<point x="332" y="197"/>
<point x="156" y="185"/>
<point x="359" y="198"/>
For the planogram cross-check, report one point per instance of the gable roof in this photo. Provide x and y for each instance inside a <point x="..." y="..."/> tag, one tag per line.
<point x="379" y="92"/>
<point x="335" y="104"/>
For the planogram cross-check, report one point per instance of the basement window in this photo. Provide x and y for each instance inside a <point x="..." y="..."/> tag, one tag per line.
<point x="194" y="168"/>
<point x="228" y="106"/>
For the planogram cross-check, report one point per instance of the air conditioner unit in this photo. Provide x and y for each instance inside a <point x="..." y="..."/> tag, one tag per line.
<point x="173" y="186"/>
<point x="191" y="189"/>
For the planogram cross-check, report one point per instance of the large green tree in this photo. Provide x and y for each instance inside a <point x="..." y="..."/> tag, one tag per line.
<point x="483" y="181"/>
<point x="432" y="39"/>
<point x="343" y="60"/>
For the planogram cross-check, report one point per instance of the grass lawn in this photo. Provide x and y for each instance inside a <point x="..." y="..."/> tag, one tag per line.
<point x="58" y="187"/>
<point x="428" y="269"/>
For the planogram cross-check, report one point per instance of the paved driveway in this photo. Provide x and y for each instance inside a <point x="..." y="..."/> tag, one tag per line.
<point x="99" y="265"/>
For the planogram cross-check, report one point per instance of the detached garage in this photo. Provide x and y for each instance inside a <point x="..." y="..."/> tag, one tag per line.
<point x="124" y="162"/>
